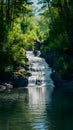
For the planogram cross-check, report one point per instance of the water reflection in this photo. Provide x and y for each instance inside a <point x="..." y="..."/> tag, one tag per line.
<point x="38" y="98"/>
<point x="61" y="111"/>
<point x="15" y="116"/>
<point x="36" y="111"/>
<point x="37" y="107"/>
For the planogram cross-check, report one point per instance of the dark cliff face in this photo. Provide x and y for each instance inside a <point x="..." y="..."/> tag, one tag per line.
<point x="19" y="81"/>
<point x="37" y="45"/>
<point x="14" y="80"/>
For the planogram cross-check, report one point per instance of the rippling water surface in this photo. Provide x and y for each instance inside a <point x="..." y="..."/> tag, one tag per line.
<point x="36" y="107"/>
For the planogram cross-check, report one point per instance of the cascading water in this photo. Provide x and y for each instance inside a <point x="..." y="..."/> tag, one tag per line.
<point x="39" y="70"/>
<point x="39" y="82"/>
<point x="40" y="88"/>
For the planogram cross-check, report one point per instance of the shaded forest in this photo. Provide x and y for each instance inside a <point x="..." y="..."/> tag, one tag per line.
<point x="20" y="27"/>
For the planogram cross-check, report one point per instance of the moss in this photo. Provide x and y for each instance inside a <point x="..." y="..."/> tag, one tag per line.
<point x="21" y="71"/>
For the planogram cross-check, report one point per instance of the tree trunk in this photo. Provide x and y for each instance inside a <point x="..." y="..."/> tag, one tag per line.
<point x="1" y="21"/>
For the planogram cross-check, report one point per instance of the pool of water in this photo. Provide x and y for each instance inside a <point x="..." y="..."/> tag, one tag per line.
<point x="37" y="106"/>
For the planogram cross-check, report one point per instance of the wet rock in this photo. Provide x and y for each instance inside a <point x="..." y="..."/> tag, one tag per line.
<point x="29" y="74"/>
<point x="26" y="67"/>
<point x="19" y="81"/>
<point x="2" y="87"/>
<point x="38" y="82"/>
<point x="26" y="59"/>
<point x="8" y="85"/>
<point x="35" y="52"/>
<point x="10" y="80"/>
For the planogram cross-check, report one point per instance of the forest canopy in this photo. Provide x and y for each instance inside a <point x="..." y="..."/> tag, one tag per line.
<point x="60" y="38"/>
<point x="18" y="29"/>
<point x="52" y="25"/>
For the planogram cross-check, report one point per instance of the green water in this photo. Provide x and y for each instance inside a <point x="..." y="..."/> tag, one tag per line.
<point x="36" y="109"/>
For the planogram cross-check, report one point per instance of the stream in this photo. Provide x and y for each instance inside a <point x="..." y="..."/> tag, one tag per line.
<point x="37" y="106"/>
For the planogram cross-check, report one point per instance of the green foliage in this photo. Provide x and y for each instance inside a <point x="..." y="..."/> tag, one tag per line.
<point x="59" y="40"/>
<point x="19" y="29"/>
<point x="15" y="33"/>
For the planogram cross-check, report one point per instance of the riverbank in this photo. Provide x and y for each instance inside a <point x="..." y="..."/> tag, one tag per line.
<point x="66" y="85"/>
<point x="16" y="79"/>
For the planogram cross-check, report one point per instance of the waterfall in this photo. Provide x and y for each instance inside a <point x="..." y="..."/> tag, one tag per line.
<point x="40" y="71"/>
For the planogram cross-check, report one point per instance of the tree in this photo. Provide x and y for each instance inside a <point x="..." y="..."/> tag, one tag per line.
<point x="59" y="40"/>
